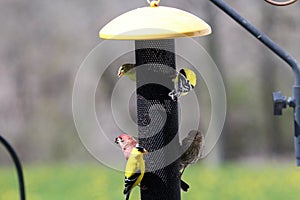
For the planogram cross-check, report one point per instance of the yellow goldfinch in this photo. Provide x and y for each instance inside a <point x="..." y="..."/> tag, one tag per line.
<point x="193" y="147"/>
<point x="135" y="169"/>
<point x="128" y="70"/>
<point x="184" y="81"/>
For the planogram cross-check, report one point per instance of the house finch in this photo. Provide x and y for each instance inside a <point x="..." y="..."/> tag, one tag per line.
<point x="192" y="148"/>
<point x="127" y="143"/>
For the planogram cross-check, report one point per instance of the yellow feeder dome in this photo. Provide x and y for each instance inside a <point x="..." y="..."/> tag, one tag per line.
<point x="151" y="23"/>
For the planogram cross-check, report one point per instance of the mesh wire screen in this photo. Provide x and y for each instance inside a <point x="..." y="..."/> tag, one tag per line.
<point x="157" y="118"/>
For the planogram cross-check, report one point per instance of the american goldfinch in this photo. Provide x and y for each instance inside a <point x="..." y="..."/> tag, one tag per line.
<point x="127" y="143"/>
<point x="128" y="70"/>
<point x="185" y="81"/>
<point x="135" y="169"/>
<point x="193" y="147"/>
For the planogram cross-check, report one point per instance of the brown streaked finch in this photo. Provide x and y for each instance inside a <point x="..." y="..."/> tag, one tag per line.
<point x="192" y="149"/>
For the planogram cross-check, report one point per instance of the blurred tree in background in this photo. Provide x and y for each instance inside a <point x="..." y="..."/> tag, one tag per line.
<point x="42" y="44"/>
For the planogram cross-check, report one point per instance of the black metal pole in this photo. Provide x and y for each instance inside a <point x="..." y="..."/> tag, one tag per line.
<point x="284" y="55"/>
<point x="18" y="166"/>
<point x="157" y="119"/>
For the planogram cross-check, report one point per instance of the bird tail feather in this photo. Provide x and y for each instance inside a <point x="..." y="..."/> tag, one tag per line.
<point x="184" y="186"/>
<point x="127" y="196"/>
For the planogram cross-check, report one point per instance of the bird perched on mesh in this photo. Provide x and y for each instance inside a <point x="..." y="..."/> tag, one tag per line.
<point x="135" y="169"/>
<point x="185" y="80"/>
<point x="127" y="143"/>
<point x="192" y="149"/>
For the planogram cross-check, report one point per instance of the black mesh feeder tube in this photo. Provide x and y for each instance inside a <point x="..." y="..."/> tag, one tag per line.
<point x="153" y="30"/>
<point x="157" y="118"/>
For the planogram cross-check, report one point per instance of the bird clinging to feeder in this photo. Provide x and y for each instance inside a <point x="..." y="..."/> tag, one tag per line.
<point x="192" y="149"/>
<point x="128" y="70"/>
<point x="185" y="81"/>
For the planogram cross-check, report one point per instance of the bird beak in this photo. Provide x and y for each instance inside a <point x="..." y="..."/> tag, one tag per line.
<point x="145" y="151"/>
<point x="120" y="74"/>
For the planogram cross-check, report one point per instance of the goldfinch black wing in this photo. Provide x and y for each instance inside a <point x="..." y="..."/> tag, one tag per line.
<point x="183" y="84"/>
<point x="130" y="181"/>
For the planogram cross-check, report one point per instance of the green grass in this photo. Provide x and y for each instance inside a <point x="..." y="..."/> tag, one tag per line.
<point x="88" y="182"/>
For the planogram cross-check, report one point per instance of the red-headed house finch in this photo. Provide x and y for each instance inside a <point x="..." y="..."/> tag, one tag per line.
<point x="127" y="143"/>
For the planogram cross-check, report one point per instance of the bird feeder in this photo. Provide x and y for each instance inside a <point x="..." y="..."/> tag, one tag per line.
<point x="154" y="29"/>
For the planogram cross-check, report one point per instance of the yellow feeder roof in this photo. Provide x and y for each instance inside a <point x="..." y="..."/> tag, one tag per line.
<point x="150" y="23"/>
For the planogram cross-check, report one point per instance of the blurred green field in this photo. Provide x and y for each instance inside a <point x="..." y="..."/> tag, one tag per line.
<point x="82" y="182"/>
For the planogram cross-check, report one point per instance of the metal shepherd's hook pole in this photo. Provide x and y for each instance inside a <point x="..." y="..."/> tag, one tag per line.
<point x="280" y="101"/>
<point x="18" y="165"/>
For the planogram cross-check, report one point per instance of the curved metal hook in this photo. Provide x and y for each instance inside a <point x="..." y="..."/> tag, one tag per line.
<point x="285" y="3"/>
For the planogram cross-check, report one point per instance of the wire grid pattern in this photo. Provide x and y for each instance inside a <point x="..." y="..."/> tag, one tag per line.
<point x="158" y="118"/>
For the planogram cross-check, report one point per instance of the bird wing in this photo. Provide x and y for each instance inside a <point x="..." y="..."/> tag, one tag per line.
<point x="134" y="171"/>
<point x="182" y="86"/>
<point x="131" y="75"/>
<point x="192" y="148"/>
<point x="189" y="75"/>
<point x="183" y="83"/>
<point x="130" y="181"/>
